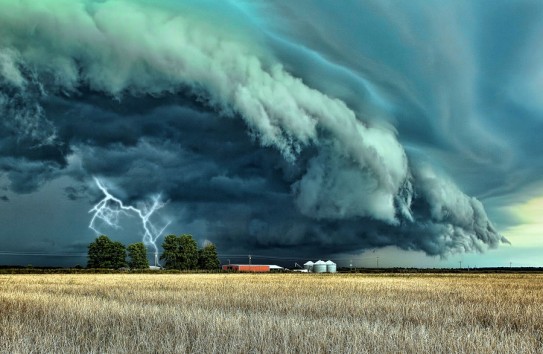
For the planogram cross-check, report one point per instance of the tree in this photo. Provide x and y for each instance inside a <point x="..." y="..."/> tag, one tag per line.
<point x="190" y="252"/>
<point x="137" y="254"/>
<point x="172" y="252"/>
<point x="208" y="258"/>
<point x="180" y="252"/>
<point x="104" y="253"/>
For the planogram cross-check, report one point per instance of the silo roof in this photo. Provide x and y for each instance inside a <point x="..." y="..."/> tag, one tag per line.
<point x="319" y="262"/>
<point x="308" y="263"/>
<point x="329" y="262"/>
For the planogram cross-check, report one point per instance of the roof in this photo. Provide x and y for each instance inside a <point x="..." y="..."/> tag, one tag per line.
<point x="308" y="263"/>
<point x="247" y="265"/>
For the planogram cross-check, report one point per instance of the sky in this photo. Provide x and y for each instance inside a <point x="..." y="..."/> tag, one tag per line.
<point x="404" y="133"/>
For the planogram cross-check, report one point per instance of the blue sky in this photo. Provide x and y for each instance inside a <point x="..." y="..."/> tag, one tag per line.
<point x="407" y="131"/>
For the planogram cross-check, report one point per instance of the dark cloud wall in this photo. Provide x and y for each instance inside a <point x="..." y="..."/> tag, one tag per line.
<point x="299" y="127"/>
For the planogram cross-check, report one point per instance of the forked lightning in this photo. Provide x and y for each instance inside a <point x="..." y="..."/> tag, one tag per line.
<point x="110" y="208"/>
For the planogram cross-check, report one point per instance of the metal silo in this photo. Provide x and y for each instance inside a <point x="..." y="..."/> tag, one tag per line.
<point x="319" y="267"/>
<point x="331" y="267"/>
<point x="309" y="266"/>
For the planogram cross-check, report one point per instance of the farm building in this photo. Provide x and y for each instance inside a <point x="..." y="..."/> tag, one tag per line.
<point x="331" y="267"/>
<point x="256" y="268"/>
<point x="320" y="267"/>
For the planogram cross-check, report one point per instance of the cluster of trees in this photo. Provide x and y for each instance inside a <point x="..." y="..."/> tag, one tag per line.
<point x="180" y="252"/>
<point x="105" y="253"/>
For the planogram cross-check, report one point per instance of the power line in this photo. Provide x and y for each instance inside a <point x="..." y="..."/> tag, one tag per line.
<point x="290" y="258"/>
<point x="42" y="254"/>
<point x="244" y="256"/>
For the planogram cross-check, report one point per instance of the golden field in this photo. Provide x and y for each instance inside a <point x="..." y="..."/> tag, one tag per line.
<point x="271" y="313"/>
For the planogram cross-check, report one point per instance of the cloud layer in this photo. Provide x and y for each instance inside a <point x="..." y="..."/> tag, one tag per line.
<point x="266" y="138"/>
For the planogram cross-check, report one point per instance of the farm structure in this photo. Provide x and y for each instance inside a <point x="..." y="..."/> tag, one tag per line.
<point x="256" y="268"/>
<point x="320" y="267"/>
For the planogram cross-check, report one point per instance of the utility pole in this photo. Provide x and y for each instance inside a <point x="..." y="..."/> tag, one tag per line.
<point x="377" y="261"/>
<point x="156" y="259"/>
<point x="228" y="262"/>
<point x="460" y="264"/>
<point x="249" y="259"/>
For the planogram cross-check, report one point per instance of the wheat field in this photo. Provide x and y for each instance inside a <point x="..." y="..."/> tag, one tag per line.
<point x="271" y="313"/>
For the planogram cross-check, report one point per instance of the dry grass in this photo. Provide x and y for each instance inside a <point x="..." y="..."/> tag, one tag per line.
<point x="271" y="313"/>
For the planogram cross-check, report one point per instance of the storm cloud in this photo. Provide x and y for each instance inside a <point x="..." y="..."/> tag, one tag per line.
<point x="305" y="129"/>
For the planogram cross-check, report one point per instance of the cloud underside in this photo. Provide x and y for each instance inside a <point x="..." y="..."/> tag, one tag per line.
<point x="200" y="112"/>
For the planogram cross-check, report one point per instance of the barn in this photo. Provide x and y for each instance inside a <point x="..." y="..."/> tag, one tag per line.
<point x="256" y="268"/>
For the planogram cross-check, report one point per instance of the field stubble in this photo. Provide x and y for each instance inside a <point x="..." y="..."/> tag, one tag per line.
<point x="271" y="313"/>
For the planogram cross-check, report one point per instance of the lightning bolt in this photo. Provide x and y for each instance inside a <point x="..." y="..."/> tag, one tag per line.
<point x="109" y="209"/>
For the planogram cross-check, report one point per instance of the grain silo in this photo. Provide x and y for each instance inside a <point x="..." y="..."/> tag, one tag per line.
<point x="319" y="267"/>
<point x="331" y="267"/>
<point x="309" y="266"/>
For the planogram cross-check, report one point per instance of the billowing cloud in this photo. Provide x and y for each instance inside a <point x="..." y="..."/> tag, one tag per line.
<point x="266" y="138"/>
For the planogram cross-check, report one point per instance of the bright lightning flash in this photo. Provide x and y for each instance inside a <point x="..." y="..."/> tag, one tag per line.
<point x="110" y="208"/>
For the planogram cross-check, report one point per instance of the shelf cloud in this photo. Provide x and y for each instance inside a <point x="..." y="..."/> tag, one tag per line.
<point x="294" y="131"/>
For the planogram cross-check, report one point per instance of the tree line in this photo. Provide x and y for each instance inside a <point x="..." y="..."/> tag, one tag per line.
<point x="180" y="252"/>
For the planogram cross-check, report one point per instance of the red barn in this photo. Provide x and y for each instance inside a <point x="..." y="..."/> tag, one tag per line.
<point x="257" y="268"/>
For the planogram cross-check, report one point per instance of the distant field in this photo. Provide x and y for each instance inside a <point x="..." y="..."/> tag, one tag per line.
<point x="275" y="313"/>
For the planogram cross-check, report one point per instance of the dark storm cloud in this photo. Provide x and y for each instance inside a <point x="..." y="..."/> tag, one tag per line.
<point x="76" y="192"/>
<point x="302" y="133"/>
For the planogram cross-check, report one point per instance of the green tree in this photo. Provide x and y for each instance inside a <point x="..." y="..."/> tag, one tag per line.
<point x="190" y="252"/>
<point x="104" y="253"/>
<point x="172" y="252"/>
<point x="180" y="252"/>
<point x="137" y="256"/>
<point x="208" y="258"/>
